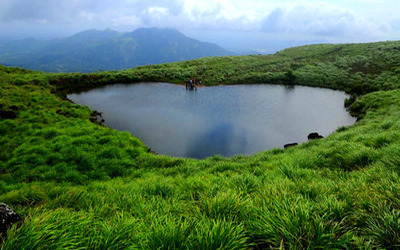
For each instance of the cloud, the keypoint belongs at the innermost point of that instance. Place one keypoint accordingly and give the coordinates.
(273, 21)
(370, 19)
(78, 10)
(26, 10)
(322, 20)
(126, 21)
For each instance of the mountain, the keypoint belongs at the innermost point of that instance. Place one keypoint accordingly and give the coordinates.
(94, 50)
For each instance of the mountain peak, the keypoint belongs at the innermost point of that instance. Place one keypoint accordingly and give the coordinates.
(94, 34)
(93, 49)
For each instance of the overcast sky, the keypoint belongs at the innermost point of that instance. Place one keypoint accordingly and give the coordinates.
(245, 24)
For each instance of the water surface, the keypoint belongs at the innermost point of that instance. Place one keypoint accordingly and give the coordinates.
(225, 120)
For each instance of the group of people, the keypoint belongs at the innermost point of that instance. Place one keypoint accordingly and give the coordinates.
(192, 83)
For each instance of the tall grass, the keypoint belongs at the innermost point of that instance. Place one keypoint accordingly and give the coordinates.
(80, 185)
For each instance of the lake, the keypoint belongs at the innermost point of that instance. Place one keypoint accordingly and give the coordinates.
(224, 120)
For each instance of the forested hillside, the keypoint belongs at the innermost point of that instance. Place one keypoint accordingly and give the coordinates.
(95, 50)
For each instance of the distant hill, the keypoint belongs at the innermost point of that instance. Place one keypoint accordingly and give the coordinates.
(94, 50)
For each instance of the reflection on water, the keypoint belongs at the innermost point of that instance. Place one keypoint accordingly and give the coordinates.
(225, 120)
(219, 138)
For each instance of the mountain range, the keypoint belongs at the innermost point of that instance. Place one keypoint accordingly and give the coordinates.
(94, 50)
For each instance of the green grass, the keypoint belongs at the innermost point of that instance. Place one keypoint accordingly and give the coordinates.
(80, 185)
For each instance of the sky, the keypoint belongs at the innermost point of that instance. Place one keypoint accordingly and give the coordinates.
(259, 25)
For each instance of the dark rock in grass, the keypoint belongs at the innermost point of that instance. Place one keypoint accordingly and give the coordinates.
(7, 114)
(96, 113)
(96, 117)
(314, 135)
(290, 145)
(13, 107)
(1, 106)
(151, 151)
(7, 218)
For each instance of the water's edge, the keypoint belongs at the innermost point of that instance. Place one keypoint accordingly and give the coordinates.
(183, 123)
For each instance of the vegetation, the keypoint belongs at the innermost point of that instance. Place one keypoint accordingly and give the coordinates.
(94, 50)
(78, 184)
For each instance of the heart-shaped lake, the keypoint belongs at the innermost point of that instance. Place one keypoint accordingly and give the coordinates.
(224, 120)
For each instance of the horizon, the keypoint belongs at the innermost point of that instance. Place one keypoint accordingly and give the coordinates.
(259, 25)
(274, 49)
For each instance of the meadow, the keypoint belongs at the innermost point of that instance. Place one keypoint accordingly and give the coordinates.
(78, 184)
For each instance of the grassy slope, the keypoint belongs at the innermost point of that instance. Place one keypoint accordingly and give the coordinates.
(79, 185)
(355, 68)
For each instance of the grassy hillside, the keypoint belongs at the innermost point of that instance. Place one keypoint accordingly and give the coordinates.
(78, 184)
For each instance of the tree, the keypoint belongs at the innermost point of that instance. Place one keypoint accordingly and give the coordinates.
(290, 77)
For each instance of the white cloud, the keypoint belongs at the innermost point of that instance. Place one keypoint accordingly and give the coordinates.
(323, 20)
(331, 19)
(126, 21)
(158, 12)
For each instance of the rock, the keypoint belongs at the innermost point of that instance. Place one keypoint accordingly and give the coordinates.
(97, 113)
(13, 107)
(7, 218)
(1, 106)
(314, 135)
(290, 145)
(96, 117)
(7, 114)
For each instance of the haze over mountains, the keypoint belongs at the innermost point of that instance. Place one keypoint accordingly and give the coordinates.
(94, 50)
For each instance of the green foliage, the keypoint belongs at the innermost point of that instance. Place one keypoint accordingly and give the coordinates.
(385, 229)
(355, 68)
(80, 185)
(290, 77)
(295, 224)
